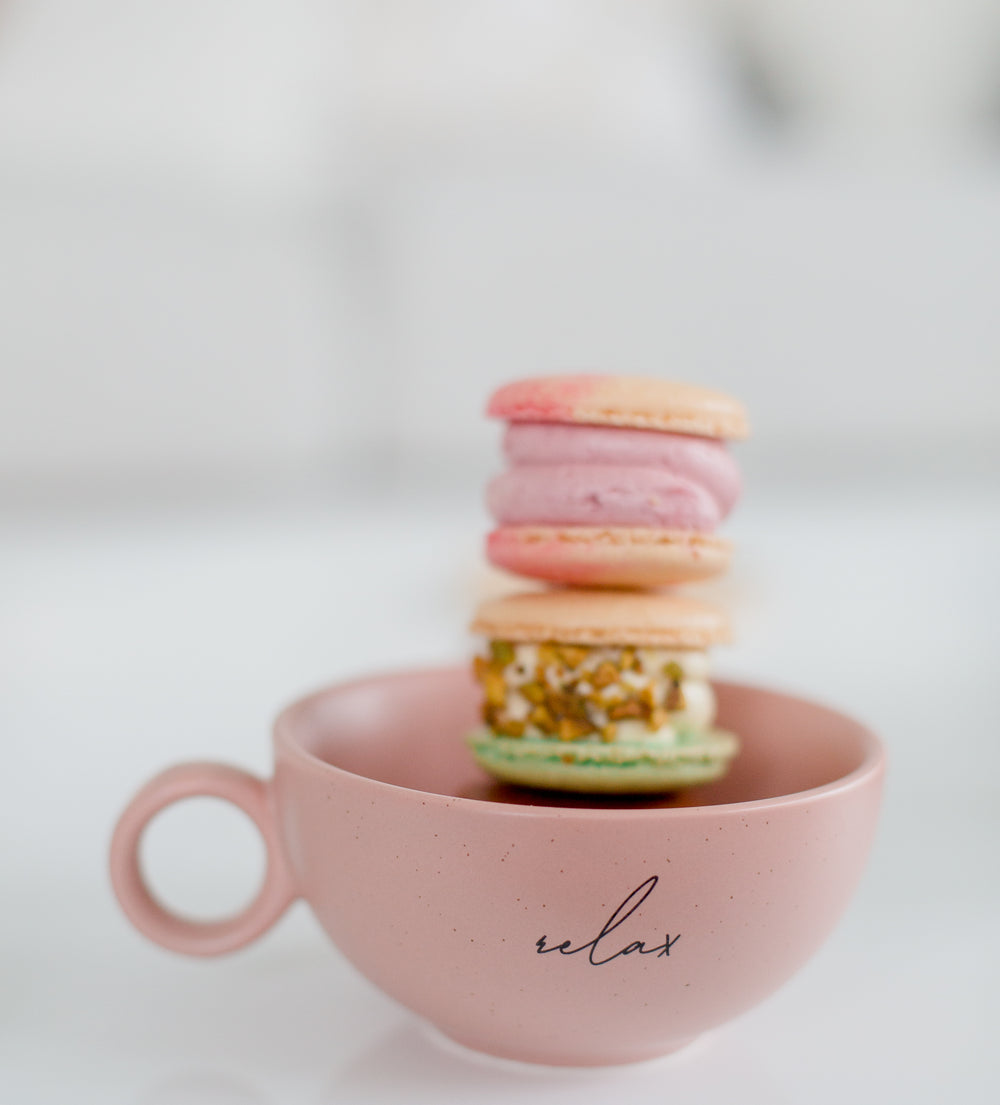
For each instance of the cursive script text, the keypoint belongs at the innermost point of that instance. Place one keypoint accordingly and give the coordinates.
(593, 947)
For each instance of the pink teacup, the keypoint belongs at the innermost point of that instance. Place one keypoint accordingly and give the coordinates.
(532, 926)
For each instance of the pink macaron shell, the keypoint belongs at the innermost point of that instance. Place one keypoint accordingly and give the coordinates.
(703, 460)
(642, 402)
(543, 399)
(600, 495)
(612, 557)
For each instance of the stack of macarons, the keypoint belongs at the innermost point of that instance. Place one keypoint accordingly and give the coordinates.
(613, 491)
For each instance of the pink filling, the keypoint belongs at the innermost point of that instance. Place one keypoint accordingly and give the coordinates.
(609, 476)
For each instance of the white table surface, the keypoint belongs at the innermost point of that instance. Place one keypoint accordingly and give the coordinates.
(131, 640)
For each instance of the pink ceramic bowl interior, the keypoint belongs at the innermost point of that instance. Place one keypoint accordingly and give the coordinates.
(539, 927)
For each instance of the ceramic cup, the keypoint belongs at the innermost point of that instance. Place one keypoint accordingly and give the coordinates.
(568, 931)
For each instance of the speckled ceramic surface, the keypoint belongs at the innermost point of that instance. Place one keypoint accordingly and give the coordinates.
(563, 930)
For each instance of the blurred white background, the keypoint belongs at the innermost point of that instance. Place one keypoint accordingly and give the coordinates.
(247, 244)
(263, 262)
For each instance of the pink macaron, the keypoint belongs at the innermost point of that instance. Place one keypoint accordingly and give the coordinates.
(613, 481)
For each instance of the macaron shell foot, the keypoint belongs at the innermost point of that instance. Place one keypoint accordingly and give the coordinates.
(590, 556)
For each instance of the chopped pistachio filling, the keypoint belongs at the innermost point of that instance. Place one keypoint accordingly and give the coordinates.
(593, 693)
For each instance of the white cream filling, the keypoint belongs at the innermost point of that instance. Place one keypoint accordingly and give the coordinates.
(698, 711)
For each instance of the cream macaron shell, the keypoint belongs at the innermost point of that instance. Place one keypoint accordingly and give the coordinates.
(603, 618)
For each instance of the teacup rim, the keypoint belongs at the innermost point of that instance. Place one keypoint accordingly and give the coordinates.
(872, 765)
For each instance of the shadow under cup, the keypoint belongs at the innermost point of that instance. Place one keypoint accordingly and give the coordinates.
(538, 926)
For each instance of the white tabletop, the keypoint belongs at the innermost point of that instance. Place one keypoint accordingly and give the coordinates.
(129, 641)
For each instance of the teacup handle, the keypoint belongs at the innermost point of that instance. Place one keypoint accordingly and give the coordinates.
(192, 780)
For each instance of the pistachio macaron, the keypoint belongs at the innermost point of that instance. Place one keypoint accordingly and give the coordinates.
(613, 481)
(599, 691)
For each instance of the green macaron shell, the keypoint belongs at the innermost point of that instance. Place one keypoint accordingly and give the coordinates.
(635, 767)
